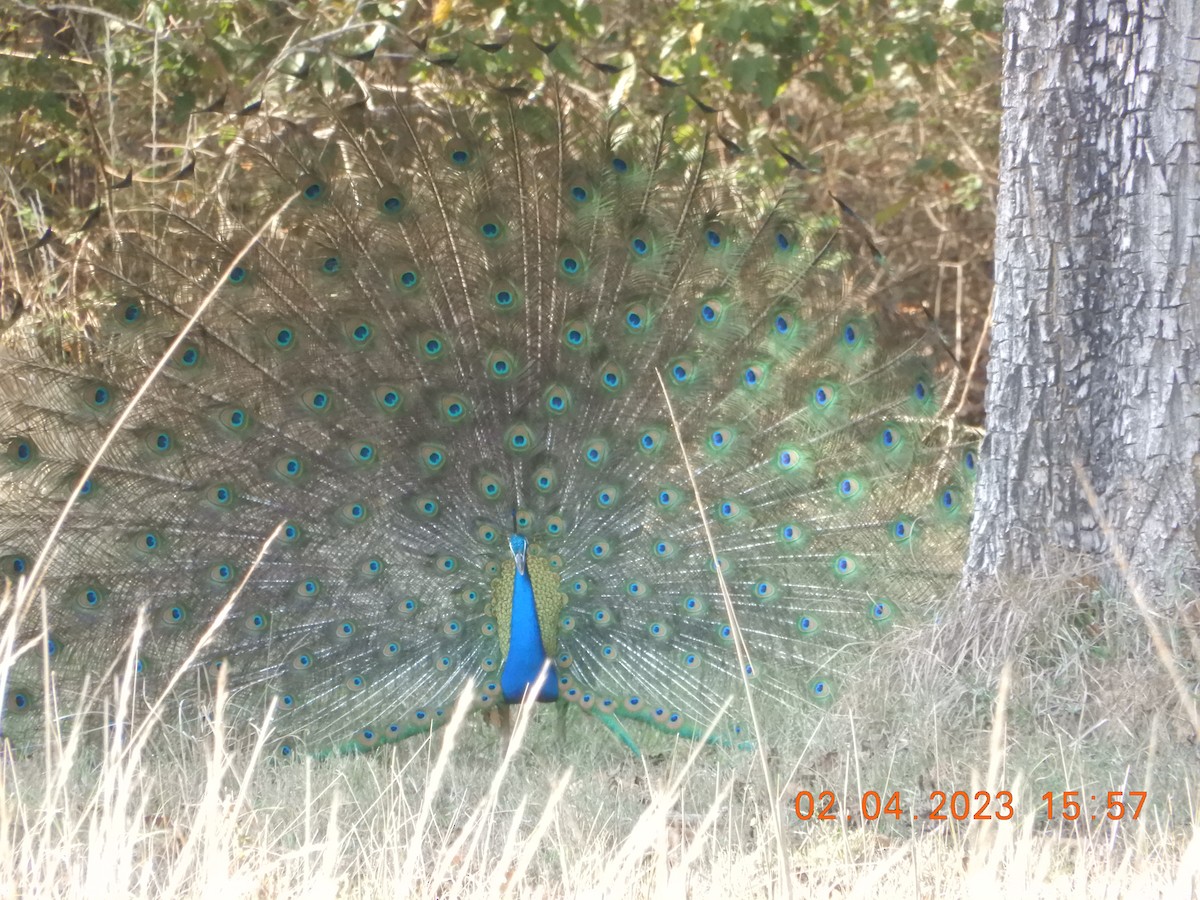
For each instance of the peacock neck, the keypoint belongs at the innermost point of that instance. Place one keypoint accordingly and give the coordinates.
(526, 649)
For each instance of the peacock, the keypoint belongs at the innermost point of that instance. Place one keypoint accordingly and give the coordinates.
(465, 383)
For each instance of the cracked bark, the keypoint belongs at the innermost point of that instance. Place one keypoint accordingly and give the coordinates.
(1095, 327)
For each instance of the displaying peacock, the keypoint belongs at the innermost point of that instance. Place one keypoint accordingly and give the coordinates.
(499, 360)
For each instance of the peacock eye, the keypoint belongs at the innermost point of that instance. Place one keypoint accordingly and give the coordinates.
(484, 363)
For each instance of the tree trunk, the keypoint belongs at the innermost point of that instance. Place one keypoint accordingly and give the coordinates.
(1094, 358)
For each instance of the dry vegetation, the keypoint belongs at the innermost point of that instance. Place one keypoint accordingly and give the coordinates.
(1083, 704)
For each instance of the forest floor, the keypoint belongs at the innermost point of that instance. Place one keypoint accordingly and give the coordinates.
(971, 744)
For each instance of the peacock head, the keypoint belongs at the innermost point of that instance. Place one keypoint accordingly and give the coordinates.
(518, 544)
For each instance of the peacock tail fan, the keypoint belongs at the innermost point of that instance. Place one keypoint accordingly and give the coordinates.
(481, 348)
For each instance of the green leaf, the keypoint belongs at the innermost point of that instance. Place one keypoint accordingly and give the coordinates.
(922, 166)
(922, 49)
(881, 58)
(904, 109)
(47, 105)
(950, 169)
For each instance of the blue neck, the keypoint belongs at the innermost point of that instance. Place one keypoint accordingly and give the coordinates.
(526, 653)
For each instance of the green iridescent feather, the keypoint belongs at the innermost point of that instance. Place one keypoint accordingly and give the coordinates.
(456, 327)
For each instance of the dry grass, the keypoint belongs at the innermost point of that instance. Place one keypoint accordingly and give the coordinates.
(1082, 705)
